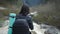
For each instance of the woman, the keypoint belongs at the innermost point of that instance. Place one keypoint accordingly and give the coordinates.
(23, 14)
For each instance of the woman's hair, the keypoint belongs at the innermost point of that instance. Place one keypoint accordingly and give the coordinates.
(24, 9)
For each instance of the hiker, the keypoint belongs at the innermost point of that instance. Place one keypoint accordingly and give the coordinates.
(23, 14)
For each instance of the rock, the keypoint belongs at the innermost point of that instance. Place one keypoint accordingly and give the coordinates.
(44, 26)
(51, 31)
(58, 27)
(5, 23)
(33, 32)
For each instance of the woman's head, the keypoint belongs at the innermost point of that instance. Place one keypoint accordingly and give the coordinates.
(24, 10)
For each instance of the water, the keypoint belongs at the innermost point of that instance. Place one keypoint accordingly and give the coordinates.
(37, 28)
(40, 29)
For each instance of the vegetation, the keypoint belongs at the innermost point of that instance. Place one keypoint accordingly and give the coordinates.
(50, 15)
(11, 5)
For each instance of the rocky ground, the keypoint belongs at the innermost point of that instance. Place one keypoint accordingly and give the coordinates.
(4, 30)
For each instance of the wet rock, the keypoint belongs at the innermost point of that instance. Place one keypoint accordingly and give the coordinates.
(6, 22)
(44, 26)
(51, 31)
(33, 32)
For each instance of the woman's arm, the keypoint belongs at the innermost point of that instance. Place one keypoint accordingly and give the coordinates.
(30, 23)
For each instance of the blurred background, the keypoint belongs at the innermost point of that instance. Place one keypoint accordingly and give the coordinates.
(48, 11)
(8, 6)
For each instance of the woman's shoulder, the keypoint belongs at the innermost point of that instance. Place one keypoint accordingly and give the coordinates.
(28, 16)
(18, 15)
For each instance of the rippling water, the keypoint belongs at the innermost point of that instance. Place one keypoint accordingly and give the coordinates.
(40, 29)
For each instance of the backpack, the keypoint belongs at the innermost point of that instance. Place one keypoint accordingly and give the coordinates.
(20, 26)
